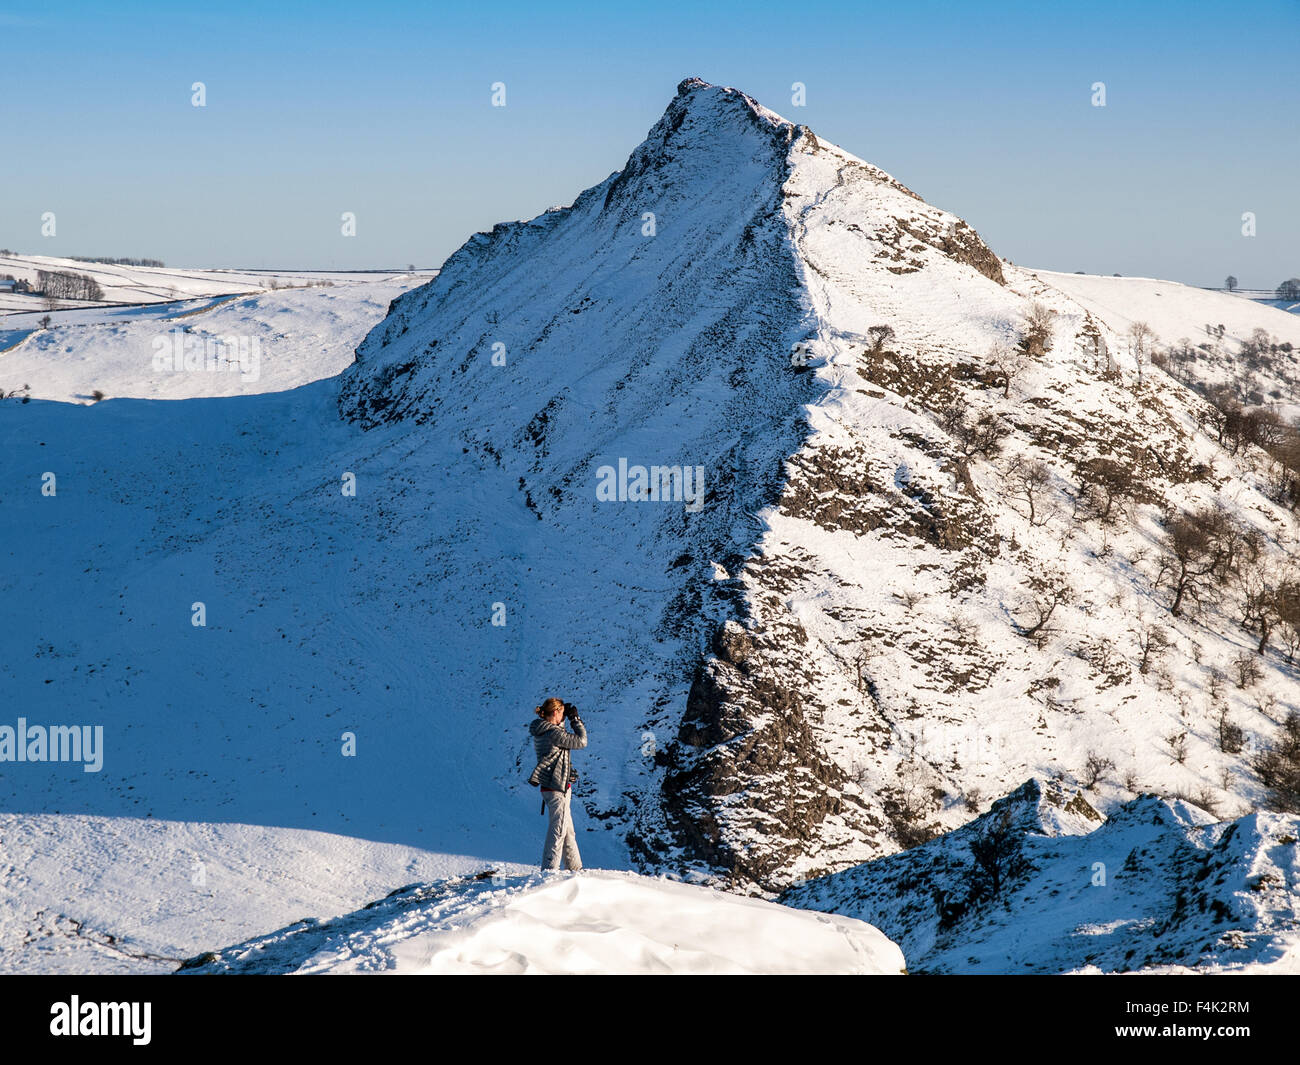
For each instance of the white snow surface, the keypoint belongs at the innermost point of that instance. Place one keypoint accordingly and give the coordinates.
(287, 337)
(85, 894)
(596, 922)
(890, 598)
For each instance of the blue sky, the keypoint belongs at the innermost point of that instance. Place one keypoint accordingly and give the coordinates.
(383, 109)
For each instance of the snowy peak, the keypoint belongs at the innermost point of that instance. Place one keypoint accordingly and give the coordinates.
(1044, 808)
(713, 174)
(704, 117)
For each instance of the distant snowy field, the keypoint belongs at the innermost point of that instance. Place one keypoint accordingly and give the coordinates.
(286, 337)
(154, 284)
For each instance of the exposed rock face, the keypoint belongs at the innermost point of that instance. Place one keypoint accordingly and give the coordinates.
(748, 737)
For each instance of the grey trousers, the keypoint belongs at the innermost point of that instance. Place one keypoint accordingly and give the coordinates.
(559, 832)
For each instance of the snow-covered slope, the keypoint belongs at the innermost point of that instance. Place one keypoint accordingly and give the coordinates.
(1186, 317)
(594, 923)
(836, 653)
(134, 895)
(1159, 885)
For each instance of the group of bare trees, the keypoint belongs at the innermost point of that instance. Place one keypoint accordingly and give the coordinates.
(118, 262)
(1236, 427)
(61, 285)
(1206, 551)
(1236, 414)
(1278, 765)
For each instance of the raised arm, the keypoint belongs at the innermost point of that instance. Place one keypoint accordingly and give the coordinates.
(571, 741)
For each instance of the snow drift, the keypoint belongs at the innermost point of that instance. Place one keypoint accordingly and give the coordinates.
(593, 923)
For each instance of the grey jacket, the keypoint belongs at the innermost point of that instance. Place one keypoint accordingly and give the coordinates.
(553, 744)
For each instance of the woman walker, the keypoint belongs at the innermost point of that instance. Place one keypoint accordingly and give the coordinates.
(555, 776)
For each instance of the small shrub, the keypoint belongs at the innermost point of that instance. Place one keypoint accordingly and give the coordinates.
(1246, 669)
(1096, 767)
(1278, 766)
(1231, 735)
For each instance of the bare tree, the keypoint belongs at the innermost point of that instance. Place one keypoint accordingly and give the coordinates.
(1047, 592)
(1009, 362)
(912, 801)
(1096, 767)
(975, 436)
(997, 854)
(1141, 339)
(1153, 641)
(1271, 600)
(1037, 339)
(1106, 483)
(880, 336)
(1030, 482)
(1246, 666)
(1231, 736)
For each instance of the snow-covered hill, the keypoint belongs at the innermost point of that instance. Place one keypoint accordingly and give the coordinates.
(840, 652)
(1187, 319)
(822, 647)
(1159, 886)
(593, 923)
